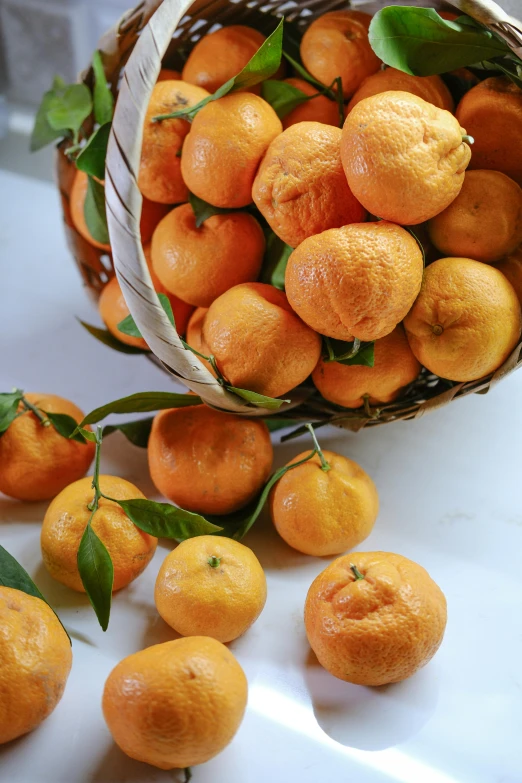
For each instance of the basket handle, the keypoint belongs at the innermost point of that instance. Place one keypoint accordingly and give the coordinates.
(493, 16)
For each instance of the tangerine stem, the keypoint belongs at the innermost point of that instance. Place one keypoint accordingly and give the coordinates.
(214, 561)
(38, 413)
(324, 464)
(93, 505)
(357, 574)
(467, 138)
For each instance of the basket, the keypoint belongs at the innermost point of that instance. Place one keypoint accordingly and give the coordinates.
(132, 54)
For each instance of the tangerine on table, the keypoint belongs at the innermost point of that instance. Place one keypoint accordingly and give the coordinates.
(324, 512)
(394, 367)
(208, 461)
(431, 88)
(484, 222)
(404, 158)
(491, 112)
(300, 187)
(36, 660)
(199, 264)
(151, 213)
(159, 177)
(221, 55)
(258, 341)
(226, 143)
(465, 321)
(210, 586)
(175, 704)
(130, 548)
(336, 44)
(36, 462)
(318, 109)
(356, 281)
(373, 618)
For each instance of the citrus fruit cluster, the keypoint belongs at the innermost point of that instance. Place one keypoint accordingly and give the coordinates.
(404, 224)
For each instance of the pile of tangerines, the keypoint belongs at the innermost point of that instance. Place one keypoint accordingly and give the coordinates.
(343, 200)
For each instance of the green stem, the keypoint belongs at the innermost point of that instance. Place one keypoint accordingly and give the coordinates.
(357, 574)
(45, 422)
(214, 561)
(324, 464)
(210, 359)
(93, 505)
(188, 774)
(339, 99)
(367, 408)
(330, 350)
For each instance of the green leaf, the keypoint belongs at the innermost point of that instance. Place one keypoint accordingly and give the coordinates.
(512, 71)
(13, 575)
(142, 402)
(69, 107)
(166, 521)
(87, 434)
(261, 66)
(203, 211)
(92, 158)
(275, 260)
(103, 99)
(278, 423)
(43, 133)
(97, 574)
(137, 432)
(419, 42)
(105, 337)
(9, 402)
(271, 403)
(65, 425)
(339, 350)
(165, 303)
(283, 97)
(245, 527)
(94, 211)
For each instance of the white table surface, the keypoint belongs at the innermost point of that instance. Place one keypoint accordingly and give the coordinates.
(450, 499)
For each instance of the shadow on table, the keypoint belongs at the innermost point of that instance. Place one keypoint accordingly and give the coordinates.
(371, 718)
(116, 767)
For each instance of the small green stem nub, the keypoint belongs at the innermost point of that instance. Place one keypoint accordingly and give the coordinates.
(324, 464)
(468, 139)
(213, 561)
(44, 421)
(357, 574)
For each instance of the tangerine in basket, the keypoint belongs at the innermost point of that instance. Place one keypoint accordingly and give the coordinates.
(151, 213)
(404, 158)
(300, 188)
(175, 704)
(36, 660)
(336, 44)
(431, 88)
(195, 335)
(130, 548)
(511, 267)
(226, 143)
(210, 586)
(159, 177)
(113, 307)
(465, 321)
(199, 264)
(484, 222)
(168, 75)
(36, 462)
(356, 281)
(208, 461)
(395, 367)
(259, 342)
(221, 55)
(373, 618)
(321, 510)
(491, 112)
(317, 109)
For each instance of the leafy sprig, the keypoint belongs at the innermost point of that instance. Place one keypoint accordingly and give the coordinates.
(15, 403)
(356, 352)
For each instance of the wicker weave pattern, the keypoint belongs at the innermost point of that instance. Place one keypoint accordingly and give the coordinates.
(139, 41)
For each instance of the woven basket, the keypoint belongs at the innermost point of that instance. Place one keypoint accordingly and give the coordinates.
(165, 30)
